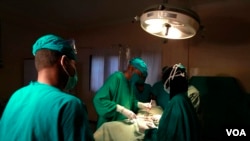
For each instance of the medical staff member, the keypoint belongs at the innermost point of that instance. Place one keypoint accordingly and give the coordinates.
(115, 100)
(179, 121)
(43, 110)
(160, 95)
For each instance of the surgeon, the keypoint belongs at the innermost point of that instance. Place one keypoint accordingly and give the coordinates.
(179, 121)
(160, 95)
(44, 110)
(115, 100)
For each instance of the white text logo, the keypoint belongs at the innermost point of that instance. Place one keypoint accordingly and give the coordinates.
(236, 132)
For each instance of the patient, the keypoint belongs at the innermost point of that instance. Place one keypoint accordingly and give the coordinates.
(129, 130)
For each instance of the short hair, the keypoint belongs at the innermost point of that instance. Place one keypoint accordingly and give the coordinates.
(46, 58)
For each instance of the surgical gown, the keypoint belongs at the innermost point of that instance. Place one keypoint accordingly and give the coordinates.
(145, 95)
(179, 122)
(44, 113)
(115, 90)
(162, 97)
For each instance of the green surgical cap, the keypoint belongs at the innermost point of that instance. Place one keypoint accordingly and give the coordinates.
(53, 42)
(139, 64)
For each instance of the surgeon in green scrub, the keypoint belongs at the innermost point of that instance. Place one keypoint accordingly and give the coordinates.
(44, 110)
(115, 100)
(179, 121)
(160, 95)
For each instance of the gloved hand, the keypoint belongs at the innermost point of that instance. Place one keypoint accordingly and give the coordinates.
(156, 119)
(153, 103)
(144, 124)
(126, 112)
(142, 105)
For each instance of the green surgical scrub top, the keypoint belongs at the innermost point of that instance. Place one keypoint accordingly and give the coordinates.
(145, 95)
(115, 90)
(162, 97)
(44, 113)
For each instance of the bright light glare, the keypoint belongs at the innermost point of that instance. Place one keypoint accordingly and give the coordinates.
(155, 28)
(155, 21)
(173, 32)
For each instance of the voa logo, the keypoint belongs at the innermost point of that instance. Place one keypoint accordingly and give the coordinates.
(236, 132)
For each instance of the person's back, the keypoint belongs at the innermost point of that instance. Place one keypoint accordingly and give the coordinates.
(179, 121)
(43, 110)
(181, 118)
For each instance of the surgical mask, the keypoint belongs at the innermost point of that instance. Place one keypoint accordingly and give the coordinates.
(72, 81)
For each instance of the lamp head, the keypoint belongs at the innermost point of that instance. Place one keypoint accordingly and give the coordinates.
(170, 22)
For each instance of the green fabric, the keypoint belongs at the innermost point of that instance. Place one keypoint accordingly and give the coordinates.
(223, 104)
(115, 90)
(56, 43)
(162, 97)
(179, 122)
(145, 95)
(139, 64)
(42, 112)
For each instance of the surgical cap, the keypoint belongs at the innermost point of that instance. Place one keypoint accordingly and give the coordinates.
(139, 64)
(53, 42)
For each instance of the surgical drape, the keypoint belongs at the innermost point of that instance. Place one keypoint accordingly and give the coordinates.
(179, 122)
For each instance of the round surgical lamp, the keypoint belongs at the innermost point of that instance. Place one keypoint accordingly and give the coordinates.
(170, 22)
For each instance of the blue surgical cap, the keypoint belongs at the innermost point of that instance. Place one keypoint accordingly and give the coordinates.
(53, 42)
(139, 64)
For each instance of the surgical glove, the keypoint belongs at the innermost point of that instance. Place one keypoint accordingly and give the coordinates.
(144, 124)
(153, 103)
(126, 112)
(144, 105)
(156, 119)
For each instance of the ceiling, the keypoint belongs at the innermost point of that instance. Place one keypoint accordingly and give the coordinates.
(80, 14)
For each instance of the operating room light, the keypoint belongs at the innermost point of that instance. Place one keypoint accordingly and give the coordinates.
(171, 22)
